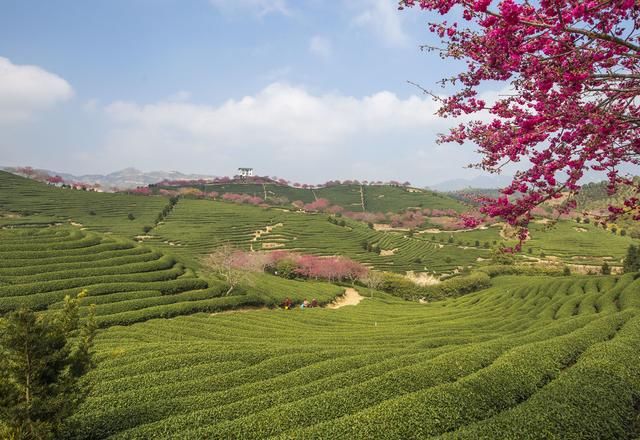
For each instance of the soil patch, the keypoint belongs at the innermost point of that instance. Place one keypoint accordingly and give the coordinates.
(272, 245)
(351, 297)
(422, 278)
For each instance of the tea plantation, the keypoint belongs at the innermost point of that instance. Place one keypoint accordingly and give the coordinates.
(128, 283)
(194, 226)
(376, 198)
(547, 359)
(531, 357)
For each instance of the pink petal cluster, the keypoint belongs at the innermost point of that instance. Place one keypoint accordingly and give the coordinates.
(574, 73)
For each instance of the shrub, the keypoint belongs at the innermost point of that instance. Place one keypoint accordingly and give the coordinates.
(131, 216)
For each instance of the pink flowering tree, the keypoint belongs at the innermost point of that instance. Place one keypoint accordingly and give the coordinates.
(573, 67)
(318, 205)
(55, 179)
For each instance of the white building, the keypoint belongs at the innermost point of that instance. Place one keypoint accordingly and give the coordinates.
(245, 172)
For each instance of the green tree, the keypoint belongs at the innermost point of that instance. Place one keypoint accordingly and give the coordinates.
(606, 270)
(499, 256)
(632, 260)
(286, 268)
(43, 356)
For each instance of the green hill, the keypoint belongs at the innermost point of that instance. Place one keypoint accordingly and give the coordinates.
(26, 201)
(376, 198)
(529, 357)
(127, 282)
(547, 359)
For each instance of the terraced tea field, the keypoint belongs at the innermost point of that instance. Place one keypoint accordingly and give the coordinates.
(128, 283)
(528, 358)
(195, 226)
(549, 358)
(377, 198)
(24, 201)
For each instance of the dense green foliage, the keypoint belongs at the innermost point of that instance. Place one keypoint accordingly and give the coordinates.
(195, 226)
(28, 201)
(377, 198)
(191, 228)
(530, 356)
(512, 361)
(127, 282)
(40, 369)
(632, 259)
(459, 285)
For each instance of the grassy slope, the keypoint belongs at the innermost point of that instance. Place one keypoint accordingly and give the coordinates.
(196, 226)
(529, 358)
(571, 242)
(99, 212)
(127, 282)
(377, 198)
(546, 359)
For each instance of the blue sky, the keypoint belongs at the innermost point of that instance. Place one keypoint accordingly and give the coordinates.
(308, 89)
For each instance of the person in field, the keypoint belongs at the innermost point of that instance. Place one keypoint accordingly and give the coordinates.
(314, 302)
(286, 304)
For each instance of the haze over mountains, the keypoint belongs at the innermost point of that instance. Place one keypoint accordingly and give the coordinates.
(132, 177)
(123, 179)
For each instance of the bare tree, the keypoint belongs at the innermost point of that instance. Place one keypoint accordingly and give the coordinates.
(230, 264)
(373, 280)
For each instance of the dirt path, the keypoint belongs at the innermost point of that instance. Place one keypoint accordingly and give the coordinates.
(362, 198)
(267, 230)
(351, 297)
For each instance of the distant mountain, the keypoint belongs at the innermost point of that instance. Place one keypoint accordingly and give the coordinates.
(123, 179)
(485, 181)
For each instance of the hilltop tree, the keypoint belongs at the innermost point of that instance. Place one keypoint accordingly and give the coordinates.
(43, 357)
(573, 70)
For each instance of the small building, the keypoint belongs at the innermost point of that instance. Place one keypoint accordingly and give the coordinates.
(245, 172)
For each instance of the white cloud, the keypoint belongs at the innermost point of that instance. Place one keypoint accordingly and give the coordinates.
(280, 117)
(291, 131)
(320, 46)
(256, 7)
(382, 18)
(282, 129)
(25, 90)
